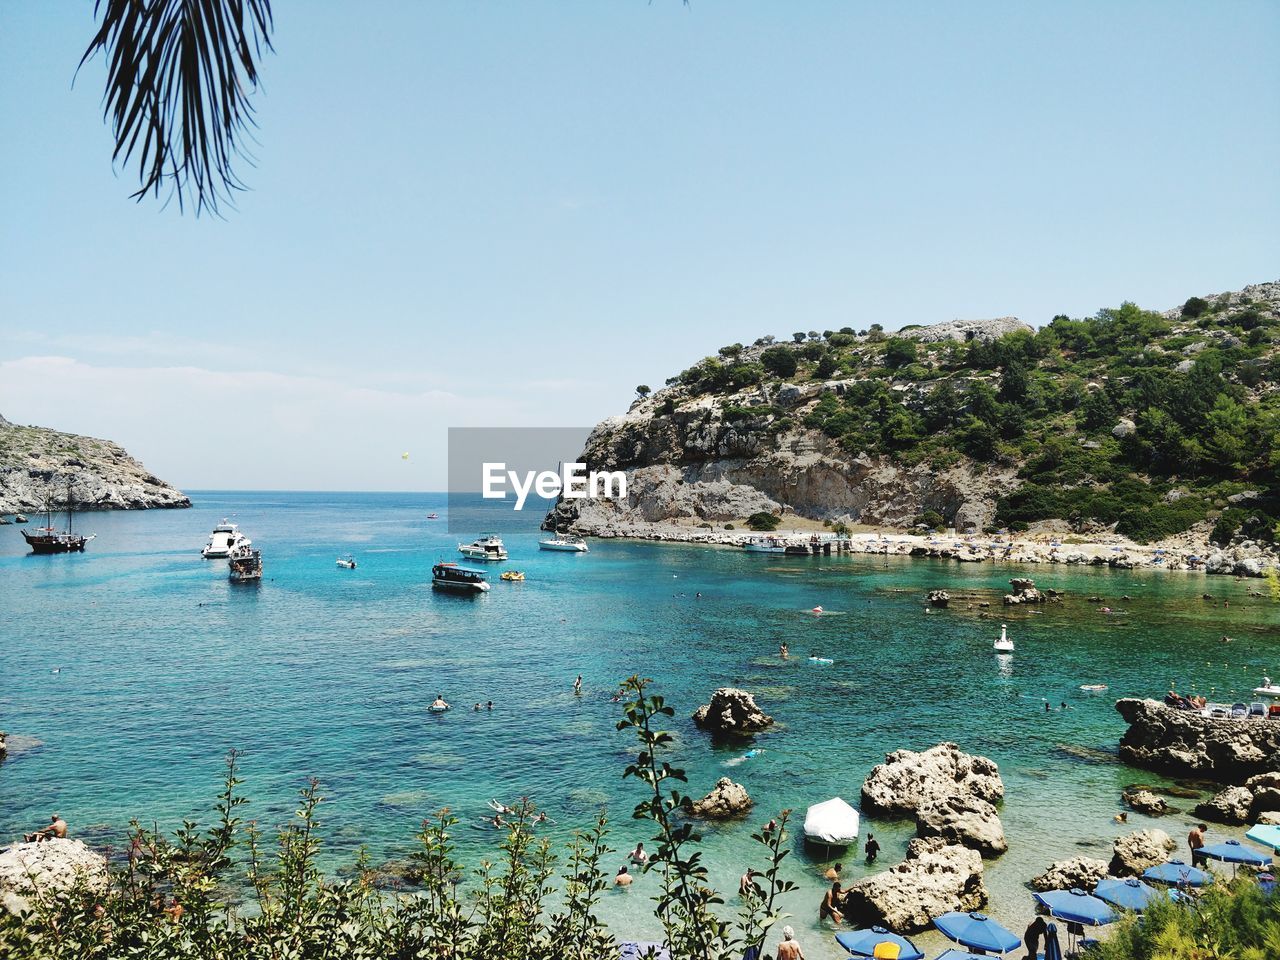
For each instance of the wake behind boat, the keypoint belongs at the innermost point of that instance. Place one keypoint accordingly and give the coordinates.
(487, 546)
(565, 543)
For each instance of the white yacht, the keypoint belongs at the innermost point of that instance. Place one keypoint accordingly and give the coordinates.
(1004, 644)
(1269, 688)
(564, 542)
(765, 545)
(225, 538)
(487, 546)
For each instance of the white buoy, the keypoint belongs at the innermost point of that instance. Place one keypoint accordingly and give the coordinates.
(1004, 644)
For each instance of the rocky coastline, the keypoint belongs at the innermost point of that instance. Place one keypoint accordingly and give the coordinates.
(36, 464)
(1184, 743)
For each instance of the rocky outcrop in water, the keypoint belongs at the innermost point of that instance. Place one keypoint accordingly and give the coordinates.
(1078, 873)
(939, 598)
(31, 871)
(1024, 591)
(1144, 801)
(1247, 803)
(725, 801)
(1184, 743)
(967, 820)
(936, 877)
(36, 462)
(1134, 852)
(732, 711)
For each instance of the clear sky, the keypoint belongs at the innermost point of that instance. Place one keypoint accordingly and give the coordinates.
(494, 214)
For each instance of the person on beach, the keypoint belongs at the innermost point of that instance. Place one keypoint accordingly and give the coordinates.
(623, 879)
(789, 949)
(57, 828)
(833, 873)
(1036, 930)
(638, 855)
(872, 848)
(1195, 840)
(830, 906)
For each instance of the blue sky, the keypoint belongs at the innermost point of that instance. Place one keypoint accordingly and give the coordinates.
(493, 214)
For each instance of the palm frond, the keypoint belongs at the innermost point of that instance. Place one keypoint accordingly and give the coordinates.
(180, 74)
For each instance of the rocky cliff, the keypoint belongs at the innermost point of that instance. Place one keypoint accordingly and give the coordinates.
(1145, 425)
(1183, 743)
(36, 462)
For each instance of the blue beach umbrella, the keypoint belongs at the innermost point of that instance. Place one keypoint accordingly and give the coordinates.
(1233, 851)
(1266, 834)
(1076, 906)
(1175, 871)
(863, 943)
(977, 931)
(1052, 948)
(1130, 894)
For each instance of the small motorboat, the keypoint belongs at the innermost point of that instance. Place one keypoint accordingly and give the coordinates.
(1093, 687)
(5, 521)
(19, 518)
(433, 516)
(348, 562)
(565, 543)
(512, 576)
(487, 546)
(1004, 644)
(1269, 688)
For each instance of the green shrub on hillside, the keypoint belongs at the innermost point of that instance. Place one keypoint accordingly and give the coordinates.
(763, 521)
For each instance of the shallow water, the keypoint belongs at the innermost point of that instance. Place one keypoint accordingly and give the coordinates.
(163, 667)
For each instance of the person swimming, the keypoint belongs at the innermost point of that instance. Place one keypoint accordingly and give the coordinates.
(439, 703)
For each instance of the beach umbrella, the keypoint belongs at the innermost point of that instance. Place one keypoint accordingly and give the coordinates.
(1052, 948)
(1266, 834)
(863, 943)
(1076, 906)
(977, 931)
(1235, 853)
(1128, 894)
(1175, 871)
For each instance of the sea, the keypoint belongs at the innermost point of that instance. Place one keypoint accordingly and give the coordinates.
(129, 673)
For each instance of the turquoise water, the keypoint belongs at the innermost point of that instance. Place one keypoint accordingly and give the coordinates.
(163, 667)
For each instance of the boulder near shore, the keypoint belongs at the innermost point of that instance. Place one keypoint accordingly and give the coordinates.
(725, 801)
(935, 878)
(732, 711)
(30, 871)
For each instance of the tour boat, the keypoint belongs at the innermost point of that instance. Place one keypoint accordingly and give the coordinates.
(1269, 688)
(244, 564)
(48, 540)
(450, 576)
(765, 545)
(1004, 644)
(348, 562)
(487, 546)
(564, 542)
(225, 538)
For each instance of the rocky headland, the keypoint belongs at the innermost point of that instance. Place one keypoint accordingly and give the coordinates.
(941, 427)
(1184, 743)
(36, 464)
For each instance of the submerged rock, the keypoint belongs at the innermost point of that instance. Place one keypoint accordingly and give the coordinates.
(939, 598)
(731, 711)
(1134, 852)
(1184, 743)
(935, 878)
(726, 799)
(1082, 873)
(32, 871)
(967, 820)
(907, 780)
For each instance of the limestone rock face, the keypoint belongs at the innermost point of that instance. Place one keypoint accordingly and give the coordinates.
(1078, 873)
(1265, 788)
(1144, 801)
(935, 878)
(1134, 852)
(1184, 743)
(726, 799)
(967, 820)
(908, 779)
(731, 711)
(29, 871)
(1231, 805)
(984, 331)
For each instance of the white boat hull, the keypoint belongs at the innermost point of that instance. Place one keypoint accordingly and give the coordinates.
(478, 587)
(562, 547)
(1272, 691)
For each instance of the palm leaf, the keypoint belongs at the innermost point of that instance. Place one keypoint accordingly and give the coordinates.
(180, 74)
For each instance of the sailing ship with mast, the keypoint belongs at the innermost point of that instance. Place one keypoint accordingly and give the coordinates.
(47, 539)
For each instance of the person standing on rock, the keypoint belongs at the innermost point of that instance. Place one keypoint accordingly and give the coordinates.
(789, 948)
(1195, 840)
(872, 848)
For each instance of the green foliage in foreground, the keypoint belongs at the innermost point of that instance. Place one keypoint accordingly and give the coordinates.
(528, 904)
(1235, 921)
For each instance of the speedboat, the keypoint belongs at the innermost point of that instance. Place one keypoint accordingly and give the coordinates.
(348, 562)
(1269, 688)
(433, 515)
(1004, 644)
(450, 576)
(244, 564)
(487, 546)
(765, 545)
(564, 542)
(225, 538)
(19, 518)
